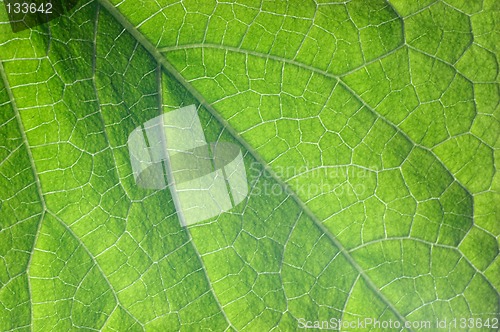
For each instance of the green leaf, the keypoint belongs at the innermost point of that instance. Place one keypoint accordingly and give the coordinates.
(370, 136)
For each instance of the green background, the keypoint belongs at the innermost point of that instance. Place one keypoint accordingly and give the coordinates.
(393, 105)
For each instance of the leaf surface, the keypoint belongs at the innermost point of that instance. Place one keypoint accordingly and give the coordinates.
(369, 132)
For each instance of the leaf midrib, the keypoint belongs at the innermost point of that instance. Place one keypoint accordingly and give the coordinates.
(158, 56)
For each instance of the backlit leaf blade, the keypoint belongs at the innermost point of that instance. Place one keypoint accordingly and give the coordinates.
(366, 200)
